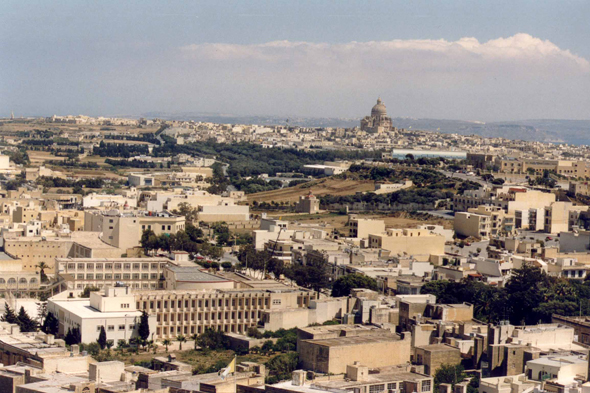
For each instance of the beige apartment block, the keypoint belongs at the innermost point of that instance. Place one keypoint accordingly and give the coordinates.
(484, 222)
(561, 216)
(419, 243)
(124, 230)
(334, 354)
(361, 227)
(232, 311)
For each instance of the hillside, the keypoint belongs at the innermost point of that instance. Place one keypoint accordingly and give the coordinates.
(327, 186)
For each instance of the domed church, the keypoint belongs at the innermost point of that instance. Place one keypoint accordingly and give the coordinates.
(378, 121)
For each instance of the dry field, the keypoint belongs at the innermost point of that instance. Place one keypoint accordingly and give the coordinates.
(336, 221)
(327, 186)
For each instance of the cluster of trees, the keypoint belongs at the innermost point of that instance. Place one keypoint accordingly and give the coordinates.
(454, 374)
(145, 137)
(404, 197)
(119, 150)
(313, 275)
(248, 159)
(251, 186)
(73, 163)
(529, 297)
(19, 157)
(135, 164)
(343, 285)
(50, 182)
(545, 181)
(190, 240)
(22, 319)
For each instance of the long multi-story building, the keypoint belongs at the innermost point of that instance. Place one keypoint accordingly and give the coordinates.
(230, 311)
(137, 273)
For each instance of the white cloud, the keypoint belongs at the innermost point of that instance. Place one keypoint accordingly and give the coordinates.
(467, 53)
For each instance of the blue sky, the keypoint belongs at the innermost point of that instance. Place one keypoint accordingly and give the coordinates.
(471, 60)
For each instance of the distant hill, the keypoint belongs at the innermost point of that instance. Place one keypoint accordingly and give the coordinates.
(558, 131)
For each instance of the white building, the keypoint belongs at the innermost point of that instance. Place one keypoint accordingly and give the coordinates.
(115, 309)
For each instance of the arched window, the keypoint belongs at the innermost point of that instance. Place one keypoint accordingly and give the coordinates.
(2, 281)
(12, 282)
(33, 281)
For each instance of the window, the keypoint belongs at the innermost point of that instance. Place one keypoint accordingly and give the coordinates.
(276, 301)
(99, 276)
(117, 266)
(80, 277)
(99, 266)
(111, 328)
(392, 386)
(145, 266)
(117, 276)
(136, 276)
(163, 227)
(90, 276)
(136, 266)
(98, 328)
(108, 266)
(124, 305)
(80, 266)
(376, 388)
(145, 276)
(121, 327)
(426, 386)
(154, 276)
(108, 276)
(71, 266)
(127, 266)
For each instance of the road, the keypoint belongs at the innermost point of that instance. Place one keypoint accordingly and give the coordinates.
(464, 176)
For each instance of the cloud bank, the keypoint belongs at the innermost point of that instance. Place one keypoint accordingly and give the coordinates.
(520, 49)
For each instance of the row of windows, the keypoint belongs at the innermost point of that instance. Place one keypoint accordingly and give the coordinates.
(111, 328)
(175, 330)
(116, 266)
(207, 316)
(117, 276)
(134, 285)
(204, 303)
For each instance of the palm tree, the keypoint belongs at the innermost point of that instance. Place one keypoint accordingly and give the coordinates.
(166, 342)
(42, 266)
(194, 337)
(181, 339)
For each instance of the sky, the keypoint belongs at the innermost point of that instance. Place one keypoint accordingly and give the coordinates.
(469, 60)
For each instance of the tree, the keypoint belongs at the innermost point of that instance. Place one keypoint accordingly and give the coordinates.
(166, 342)
(194, 337)
(344, 285)
(213, 339)
(449, 373)
(143, 329)
(181, 339)
(42, 266)
(50, 324)
(25, 322)
(281, 367)
(86, 292)
(73, 336)
(102, 338)
(149, 240)
(9, 315)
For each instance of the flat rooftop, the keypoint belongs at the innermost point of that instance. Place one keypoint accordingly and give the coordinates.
(82, 309)
(356, 340)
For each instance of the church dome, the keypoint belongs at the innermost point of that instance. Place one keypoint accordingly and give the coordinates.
(379, 109)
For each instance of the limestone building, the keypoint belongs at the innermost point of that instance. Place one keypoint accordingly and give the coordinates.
(229, 310)
(378, 121)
